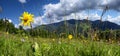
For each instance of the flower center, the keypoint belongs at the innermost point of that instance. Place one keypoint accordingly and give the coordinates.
(25, 19)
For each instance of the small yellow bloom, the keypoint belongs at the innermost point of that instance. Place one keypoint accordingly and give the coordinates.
(26, 19)
(95, 35)
(26, 37)
(7, 32)
(70, 36)
(112, 41)
(53, 39)
(85, 41)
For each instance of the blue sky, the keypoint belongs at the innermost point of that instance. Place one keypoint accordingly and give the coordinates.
(12, 9)
(56, 10)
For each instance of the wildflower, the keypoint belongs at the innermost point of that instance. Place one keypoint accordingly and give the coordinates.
(36, 46)
(36, 49)
(85, 41)
(26, 37)
(53, 39)
(22, 40)
(26, 19)
(106, 40)
(95, 37)
(109, 39)
(59, 42)
(7, 33)
(98, 39)
(112, 41)
(70, 36)
(2, 54)
(109, 52)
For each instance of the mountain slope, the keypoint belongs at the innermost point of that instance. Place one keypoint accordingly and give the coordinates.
(81, 25)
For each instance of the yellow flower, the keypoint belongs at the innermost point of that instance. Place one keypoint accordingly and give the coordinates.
(7, 32)
(85, 41)
(53, 39)
(70, 37)
(26, 19)
(26, 37)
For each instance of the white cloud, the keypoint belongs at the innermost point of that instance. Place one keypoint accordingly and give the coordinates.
(68, 8)
(114, 19)
(24, 27)
(16, 25)
(22, 1)
(10, 20)
(40, 20)
(78, 16)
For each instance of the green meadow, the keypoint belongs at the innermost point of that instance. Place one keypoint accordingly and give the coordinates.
(17, 45)
(59, 28)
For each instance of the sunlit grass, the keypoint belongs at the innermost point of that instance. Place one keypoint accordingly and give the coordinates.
(12, 45)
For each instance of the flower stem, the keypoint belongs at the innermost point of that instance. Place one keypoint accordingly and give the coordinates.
(31, 32)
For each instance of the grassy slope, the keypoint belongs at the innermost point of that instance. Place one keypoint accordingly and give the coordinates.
(17, 45)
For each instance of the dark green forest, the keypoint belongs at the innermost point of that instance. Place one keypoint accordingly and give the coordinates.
(84, 30)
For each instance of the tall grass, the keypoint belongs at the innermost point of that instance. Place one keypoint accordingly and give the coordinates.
(15, 46)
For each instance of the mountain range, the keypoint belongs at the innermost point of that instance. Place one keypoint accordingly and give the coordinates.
(80, 25)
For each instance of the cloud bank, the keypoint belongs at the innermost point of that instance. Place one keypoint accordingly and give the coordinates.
(9, 20)
(22, 1)
(67, 9)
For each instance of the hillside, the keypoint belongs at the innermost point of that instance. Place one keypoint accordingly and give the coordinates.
(81, 25)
